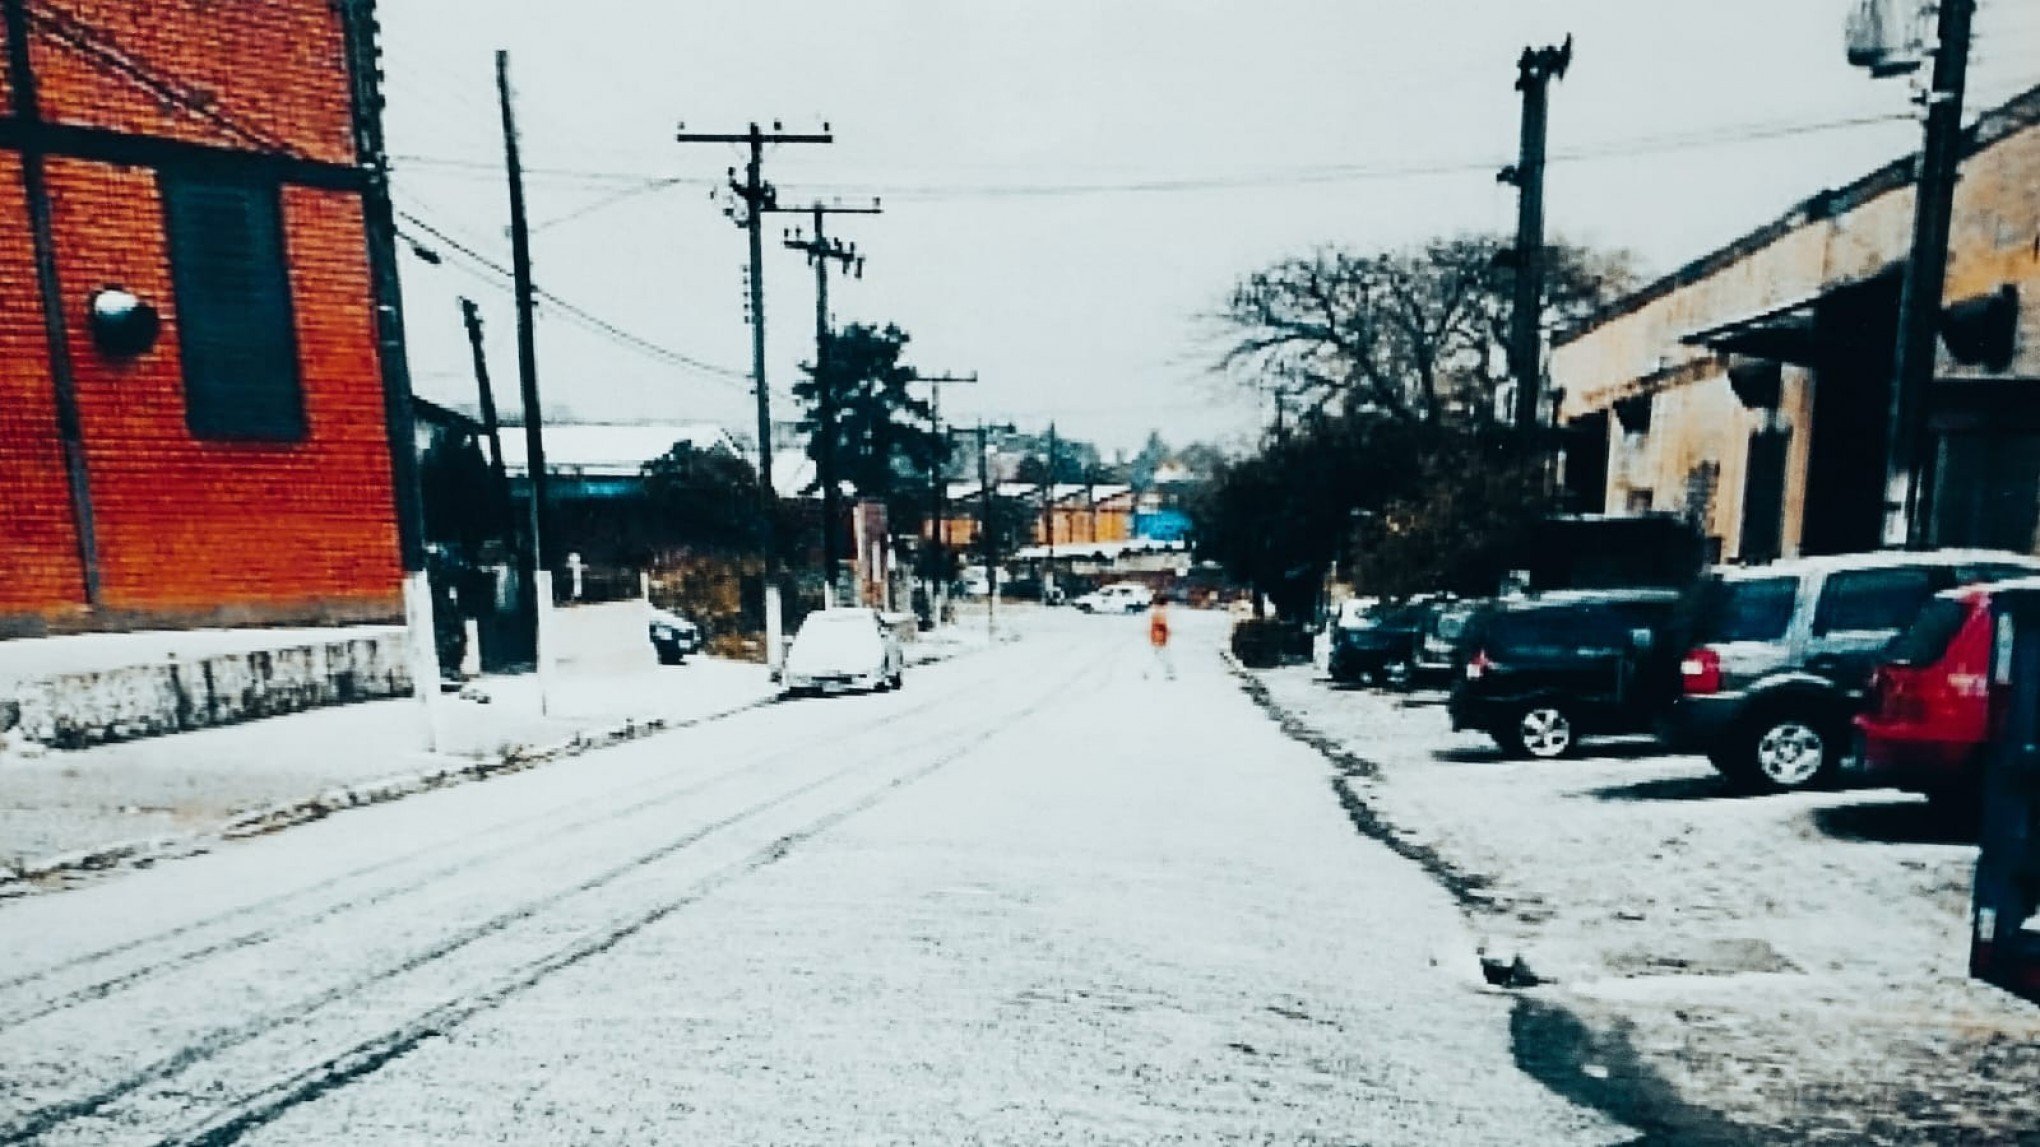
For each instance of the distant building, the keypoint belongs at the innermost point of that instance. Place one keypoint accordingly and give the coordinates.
(594, 461)
(193, 423)
(1749, 390)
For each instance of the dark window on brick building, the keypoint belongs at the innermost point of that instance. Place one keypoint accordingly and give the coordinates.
(234, 321)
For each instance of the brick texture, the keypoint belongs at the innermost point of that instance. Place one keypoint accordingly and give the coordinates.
(39, 567)
(264, 75)
(192, 530)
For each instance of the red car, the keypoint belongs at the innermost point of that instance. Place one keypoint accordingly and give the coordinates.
(1930, 700)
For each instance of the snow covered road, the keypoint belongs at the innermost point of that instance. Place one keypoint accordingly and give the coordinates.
(1039, 896)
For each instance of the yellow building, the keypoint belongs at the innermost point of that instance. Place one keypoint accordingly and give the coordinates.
(1750, 389)
(1074, 513)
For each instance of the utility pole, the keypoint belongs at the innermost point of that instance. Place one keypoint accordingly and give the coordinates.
(364, 60)
(1909, 456)
(1534, 73)
(820, 249)
(987, 542)
(527, 335)
(758, 197)
(471, 315)
(938, 490)
(527, 385)
(1048, 518)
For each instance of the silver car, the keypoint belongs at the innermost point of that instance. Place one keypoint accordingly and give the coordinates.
(1780, 655)
(841, 650)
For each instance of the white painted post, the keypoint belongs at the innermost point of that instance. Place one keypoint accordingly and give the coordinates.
(772, 626)
(423, 652)
(547, 654)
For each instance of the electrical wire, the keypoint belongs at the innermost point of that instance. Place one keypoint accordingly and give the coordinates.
(579, 315)
(1735, 135)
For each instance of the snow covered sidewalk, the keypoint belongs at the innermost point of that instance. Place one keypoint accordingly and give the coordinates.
(137, 799)
(1795, 963)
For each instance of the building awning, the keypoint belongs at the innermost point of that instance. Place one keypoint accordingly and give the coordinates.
(1782, 335)
(1791, 333)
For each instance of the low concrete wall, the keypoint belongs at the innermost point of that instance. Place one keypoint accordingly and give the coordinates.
(86, 707)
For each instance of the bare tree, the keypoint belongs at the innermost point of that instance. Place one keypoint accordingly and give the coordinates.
(1419, 335)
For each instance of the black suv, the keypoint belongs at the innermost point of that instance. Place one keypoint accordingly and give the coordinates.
(1542, 672)
(1380, 646)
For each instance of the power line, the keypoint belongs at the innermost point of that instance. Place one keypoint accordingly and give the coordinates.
(583, 317)
(1732, 135)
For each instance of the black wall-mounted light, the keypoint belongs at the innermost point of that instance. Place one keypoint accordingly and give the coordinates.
(122, 324)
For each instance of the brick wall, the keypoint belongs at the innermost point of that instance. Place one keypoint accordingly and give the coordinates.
(256, 74)
(191, 530)
(39, 568)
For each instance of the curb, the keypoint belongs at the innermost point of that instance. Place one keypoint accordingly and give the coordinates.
(1550, 1039)
(30, 878)
(26, 879)
(1468, 888)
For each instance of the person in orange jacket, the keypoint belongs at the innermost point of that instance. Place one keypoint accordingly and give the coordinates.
(1158, 635)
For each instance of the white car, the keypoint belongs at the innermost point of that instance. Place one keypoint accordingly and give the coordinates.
(838, 650)
(1119, 597)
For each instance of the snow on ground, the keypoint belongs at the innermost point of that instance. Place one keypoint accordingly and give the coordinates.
(62, 802)
(1794, 962)
(1041, 896)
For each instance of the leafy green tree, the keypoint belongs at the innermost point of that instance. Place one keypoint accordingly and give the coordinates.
(703, 499)
(884, 440)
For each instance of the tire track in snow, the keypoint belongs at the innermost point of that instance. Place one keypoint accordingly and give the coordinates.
(366, 1056)
(100, 989)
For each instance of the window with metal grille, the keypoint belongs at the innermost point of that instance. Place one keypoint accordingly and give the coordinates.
(234, 319)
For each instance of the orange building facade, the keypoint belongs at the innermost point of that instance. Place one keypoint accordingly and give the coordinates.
(194, 421)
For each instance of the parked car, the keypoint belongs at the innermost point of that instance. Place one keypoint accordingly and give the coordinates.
(1930, 703)
(1378, 647)
(1780, 655)
(1441, 648)
(1119, 597)
(1545, 671)
(673, 636)
(838, 650)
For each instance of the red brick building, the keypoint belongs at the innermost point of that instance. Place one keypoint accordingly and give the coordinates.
(199, 157)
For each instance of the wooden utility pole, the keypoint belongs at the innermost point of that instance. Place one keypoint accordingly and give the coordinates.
(1534, 72)
(987, 542)
(1909, 455)
(527, 336)
(938, 487)
(820, 250)
(471, 315)
(379, 225)
(758, 197)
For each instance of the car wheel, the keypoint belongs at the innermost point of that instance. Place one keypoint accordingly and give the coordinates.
(667, 654)
(899, 679)
(1398, 675)
(1785, 751)
(1543, 731)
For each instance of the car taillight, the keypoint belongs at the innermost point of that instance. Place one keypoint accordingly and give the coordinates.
(1700, 672)
(1478, 667)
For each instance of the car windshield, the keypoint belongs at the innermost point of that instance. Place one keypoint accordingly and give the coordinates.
(1926, 640)
(1755, 609)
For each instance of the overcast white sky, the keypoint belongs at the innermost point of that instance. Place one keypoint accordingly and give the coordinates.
(1070, 184)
